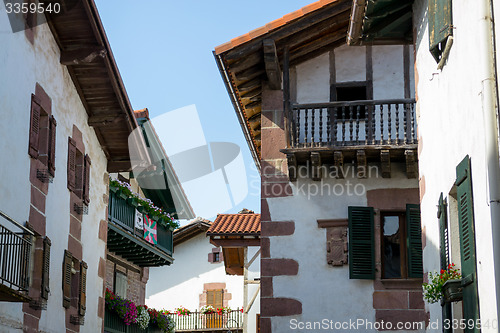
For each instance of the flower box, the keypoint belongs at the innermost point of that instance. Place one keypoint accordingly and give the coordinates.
(452, 291)
(133, 201)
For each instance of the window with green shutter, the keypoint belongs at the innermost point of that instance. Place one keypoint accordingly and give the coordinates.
(470, 301)
(414, 241)
(444, 256)
(361, 243)
(440, 26)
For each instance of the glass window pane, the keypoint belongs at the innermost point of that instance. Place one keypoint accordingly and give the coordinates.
(392, 248)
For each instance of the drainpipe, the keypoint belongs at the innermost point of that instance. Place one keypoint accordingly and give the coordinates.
(489, 93)
(245, 289)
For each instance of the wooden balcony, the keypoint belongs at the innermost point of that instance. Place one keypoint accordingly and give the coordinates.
(362, 132)
(208, 323)
(15, 261)
(128, 241)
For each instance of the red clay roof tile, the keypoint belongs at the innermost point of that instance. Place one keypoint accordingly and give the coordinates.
(235, 224)
(271, 26)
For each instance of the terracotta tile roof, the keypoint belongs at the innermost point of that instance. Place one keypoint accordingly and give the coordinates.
(271, 26)
(235, 224)
(144, 113)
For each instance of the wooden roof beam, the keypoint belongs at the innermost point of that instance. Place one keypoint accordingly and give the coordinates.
(273, 70)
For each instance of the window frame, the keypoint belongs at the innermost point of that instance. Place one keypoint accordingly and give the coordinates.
(403, 243)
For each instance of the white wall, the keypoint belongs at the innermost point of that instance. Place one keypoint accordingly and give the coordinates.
(23, 65)
(181, 284)
(451, 124)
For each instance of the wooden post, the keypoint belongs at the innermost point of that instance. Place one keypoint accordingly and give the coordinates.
(286, 96)
(245, 289)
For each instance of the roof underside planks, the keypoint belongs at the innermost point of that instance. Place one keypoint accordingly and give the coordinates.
(87, 54)
(245, 63)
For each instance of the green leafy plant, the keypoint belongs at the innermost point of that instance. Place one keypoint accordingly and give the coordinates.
(182, 311)
(433, 291)
(151, 210)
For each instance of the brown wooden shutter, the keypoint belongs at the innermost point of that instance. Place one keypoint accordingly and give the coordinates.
(52, 146)
(86, 180)
(210, 297)
(83, 289)
(218, 298)
(210, 257)
(46, 268)
(34, 126)
(68, 259)
(71, 164)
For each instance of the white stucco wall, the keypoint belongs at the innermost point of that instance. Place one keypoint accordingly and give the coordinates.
(451, 125)
(181, 284)
(23, 65)
(326, 292)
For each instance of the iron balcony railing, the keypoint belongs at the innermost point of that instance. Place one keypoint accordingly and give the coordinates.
(356, 123)
(197, 321)
(15, 256)
(122, 213)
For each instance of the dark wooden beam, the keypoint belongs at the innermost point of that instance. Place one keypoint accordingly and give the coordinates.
(82, 56)
(244, 242)
(249, 85)
(308, 48)
(316, 168)
(294, 60)
(338, 162)
(411, 164)
(249, 74)
(273, 70)
(292, 167)
(361, 163)
(388, 24)
(245, 63)
(385, 163)
(98, 121)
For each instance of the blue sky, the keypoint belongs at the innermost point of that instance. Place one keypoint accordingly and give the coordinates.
(163, 49)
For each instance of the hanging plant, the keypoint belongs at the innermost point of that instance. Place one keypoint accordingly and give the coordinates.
(144, 205)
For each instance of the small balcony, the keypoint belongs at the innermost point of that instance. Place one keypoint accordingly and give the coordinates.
(126, 240)
(214, 322)
(114, 324)
(362, 132)
(15, 261)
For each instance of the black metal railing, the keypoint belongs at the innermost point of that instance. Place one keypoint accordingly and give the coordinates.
(356, 123)
(122, 213)
(15, 256)
(200, 321)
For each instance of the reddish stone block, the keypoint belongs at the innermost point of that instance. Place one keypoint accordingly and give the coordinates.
(390, 299)
(266, 286)
(392, 198)
(275, 267)
(276, 190)
(273, 139)
(276, 178)
(421, 185)
(265, 244)
(38, 199)
(100, 308)
(282, 228)
(34, 166)
(45, 100)
(37, 221)
(265, 215)
(265, 325)
(267, 119)
(75, 247)
(103, 230)
(75, 227)
(215, 285)
(276, 307)
(412, 318)
(424, 237)
(101, 270)
(30, 324)
(271, 99)
(416, 300)
(268, 167)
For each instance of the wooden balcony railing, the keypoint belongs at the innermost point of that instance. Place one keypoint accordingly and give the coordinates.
(122, 213)
(15, 257)
(357, 123)
(197, 321)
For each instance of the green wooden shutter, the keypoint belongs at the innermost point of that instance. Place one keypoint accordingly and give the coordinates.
(440, 25)
(467, 241)
(414, 241)
(444, 256)
(361, 243)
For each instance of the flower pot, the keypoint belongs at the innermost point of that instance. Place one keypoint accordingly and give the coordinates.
(122, 195)
(142, 209)
(452, 291)
(114, 189)
(133, 201)
(155, 218)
